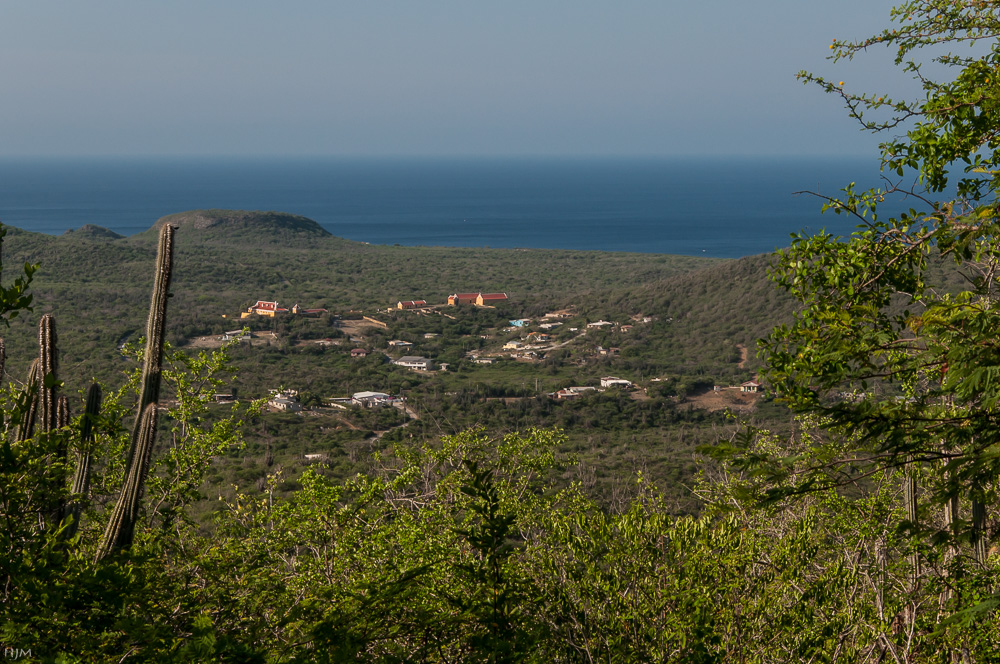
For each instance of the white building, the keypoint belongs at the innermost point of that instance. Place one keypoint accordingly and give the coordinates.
(611, 381)
(415, 362)
(370, 399)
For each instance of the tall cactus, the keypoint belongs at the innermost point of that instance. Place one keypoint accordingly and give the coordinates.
(121, 527)
(47, 396)
(81, 478)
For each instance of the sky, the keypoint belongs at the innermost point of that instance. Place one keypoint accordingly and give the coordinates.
(434, 77)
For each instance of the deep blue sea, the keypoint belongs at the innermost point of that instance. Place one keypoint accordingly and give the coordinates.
(722, 207)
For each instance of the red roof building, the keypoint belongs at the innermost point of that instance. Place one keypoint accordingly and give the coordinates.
(264, 308)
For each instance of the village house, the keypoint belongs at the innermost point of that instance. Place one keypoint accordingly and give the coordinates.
(574, 392)
(512, 345)
(287, 401)
(239, 335)
(263, 308)
(462, 298)
(359, 352)
(751, 386)
(271, 309)
(482, 299)
(600, 323)
(411, 304)
(486, 299)
(399, 343)
(520, 322)
(299, 311)
(608, 351)
(415, 362)
(611, 381)
(370, 399)
(484, 360)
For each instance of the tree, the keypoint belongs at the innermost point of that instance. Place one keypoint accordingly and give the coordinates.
(895, 350)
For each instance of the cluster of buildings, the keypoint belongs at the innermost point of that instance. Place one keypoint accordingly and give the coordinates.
(271, 309)
(606, 383)
(480, 299)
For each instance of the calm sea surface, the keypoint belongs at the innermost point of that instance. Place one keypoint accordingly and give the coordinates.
(722, 207)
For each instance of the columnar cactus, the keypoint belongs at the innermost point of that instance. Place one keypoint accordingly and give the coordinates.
(81, 478)
(48, 399)
(121, 527)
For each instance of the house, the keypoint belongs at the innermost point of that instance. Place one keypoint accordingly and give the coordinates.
(431, 335)
(611, 381)
(297, 310)
(443, 366)
(264, 308)
(287, 402)
(359, 352)
(484, 360)
(411, 304)
(462, 298)
(239, 335)
(750, 386)
(399, 343)
(600, 323)
(549, 326)
(370, 399)
(574, 392)
(512, 345)
(415, 362)
(520, 322)
(486, 299)
(608, 351)
(626, 328)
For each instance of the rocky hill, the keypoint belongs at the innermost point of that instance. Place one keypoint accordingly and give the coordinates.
(244, 224)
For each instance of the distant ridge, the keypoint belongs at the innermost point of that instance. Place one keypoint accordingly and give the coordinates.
(235, 223)
(93, 232)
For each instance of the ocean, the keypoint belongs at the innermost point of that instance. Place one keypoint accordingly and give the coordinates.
(720, 207)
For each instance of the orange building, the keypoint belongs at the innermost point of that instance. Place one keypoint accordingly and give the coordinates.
(263, 308)
(411, 304)
(490, 298)
(462, 298)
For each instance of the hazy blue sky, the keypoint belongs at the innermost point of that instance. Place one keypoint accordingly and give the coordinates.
(447, 77)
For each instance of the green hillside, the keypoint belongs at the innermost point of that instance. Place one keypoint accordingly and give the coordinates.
(680, 326)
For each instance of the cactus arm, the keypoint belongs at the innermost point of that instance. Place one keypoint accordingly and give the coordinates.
(121, 526)
(26, 428)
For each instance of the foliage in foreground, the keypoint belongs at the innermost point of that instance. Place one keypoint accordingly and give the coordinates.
(458, 553)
